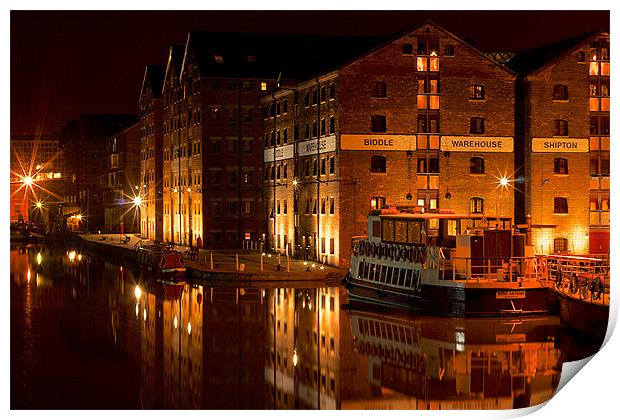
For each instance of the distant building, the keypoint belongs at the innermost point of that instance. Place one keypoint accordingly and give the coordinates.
(37, 159)
(120, 182)
(83, 144)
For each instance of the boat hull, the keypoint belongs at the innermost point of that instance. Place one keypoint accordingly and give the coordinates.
(454, 301)
(588, 318)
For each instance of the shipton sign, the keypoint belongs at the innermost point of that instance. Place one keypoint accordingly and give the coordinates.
(564, 145)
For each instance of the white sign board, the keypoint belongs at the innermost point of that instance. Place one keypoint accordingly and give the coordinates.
(477, 144)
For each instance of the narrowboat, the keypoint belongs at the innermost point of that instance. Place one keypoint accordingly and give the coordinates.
(446, 263)
(582, 286)
(161, 260)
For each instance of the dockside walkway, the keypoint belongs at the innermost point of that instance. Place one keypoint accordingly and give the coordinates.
(242, 265)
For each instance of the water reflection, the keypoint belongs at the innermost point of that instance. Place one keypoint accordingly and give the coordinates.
(87, 333)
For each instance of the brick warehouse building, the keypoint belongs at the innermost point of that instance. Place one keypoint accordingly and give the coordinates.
(212, 127)
(422, 120)
(151, 153)
(563, 111)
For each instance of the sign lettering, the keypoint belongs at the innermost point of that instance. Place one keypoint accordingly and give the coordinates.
(477, 144)
(510, 294)
(551, 145)
(376, 141)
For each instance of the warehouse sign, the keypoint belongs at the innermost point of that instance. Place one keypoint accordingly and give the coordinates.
(327, 144)
(563, 145)
(477, 144)
(376, 141)
(281, 153)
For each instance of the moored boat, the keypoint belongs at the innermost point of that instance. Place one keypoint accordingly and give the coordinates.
(446, 263)
(582, 286)
(161, 260)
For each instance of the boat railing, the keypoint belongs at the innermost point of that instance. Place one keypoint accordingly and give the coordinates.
(490, 270)
(582, 278)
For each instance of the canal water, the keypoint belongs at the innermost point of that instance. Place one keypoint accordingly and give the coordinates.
(92, 334)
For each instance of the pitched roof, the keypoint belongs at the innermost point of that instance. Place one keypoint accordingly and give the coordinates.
(174, 61)
(534, 59)
(153, 77)
(268, 55)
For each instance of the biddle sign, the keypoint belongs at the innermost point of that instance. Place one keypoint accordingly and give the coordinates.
(377, 141)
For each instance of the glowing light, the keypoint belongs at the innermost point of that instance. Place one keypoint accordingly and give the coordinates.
(27, 180)
(137, 291)
(503, 181)
(71, 256)
(144, 314)
(268, 255)
(39, 258)
(189, 328)
(303, 304)
(295, 183)
(79, 217)
(295, 358)
(137, 201)
(313, 265)
(175, 190)
(189, 189)
(175, 322)
(39, 204)
(305, 262)
(79, 257)
(322, 268)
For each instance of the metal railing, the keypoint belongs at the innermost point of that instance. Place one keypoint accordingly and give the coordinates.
(490, 270)
(582, 278)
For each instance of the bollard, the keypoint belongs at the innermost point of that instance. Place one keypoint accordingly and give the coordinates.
(211, 260)
(212, 295)
(236, 262)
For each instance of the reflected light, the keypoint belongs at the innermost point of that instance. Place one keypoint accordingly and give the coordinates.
(137, 310)
(175, 322)
(144, 314)
(71, 256)
(137, 291)
(295, 357)
(79, 257)
(28, 275)
(39, 258)
(189, 328)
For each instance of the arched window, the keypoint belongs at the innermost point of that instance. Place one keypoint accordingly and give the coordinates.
(476, 205)
(560, 166)
(476, 165)
(377, 164)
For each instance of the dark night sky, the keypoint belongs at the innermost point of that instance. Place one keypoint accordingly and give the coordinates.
(64, 63)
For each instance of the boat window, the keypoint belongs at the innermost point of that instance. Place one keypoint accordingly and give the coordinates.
(388, 275)
(382, 273)
(366, 266)
(376, 228)
(408, 278)
(414, 232)
(433, 223)
(401, 278)
(360, 269)
(400, 231)
(396, 273)
(388, 230)
(452, 227)
(372, 271)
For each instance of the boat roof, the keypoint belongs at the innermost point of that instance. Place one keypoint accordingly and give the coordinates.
(406, 215)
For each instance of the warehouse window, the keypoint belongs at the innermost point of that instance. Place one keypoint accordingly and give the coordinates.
(476, 92)
(476, 205)
(560, 166)
(379, 90)
(377, 203)
(378, 164)
(561, 128)
(560, 92)
(378, 124)
(476, 125)
(560, 205)
(448, 50)
(476, 165)
(407, 49)
(560, 245)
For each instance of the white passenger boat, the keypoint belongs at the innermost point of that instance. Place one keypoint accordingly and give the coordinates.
(446, 263)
